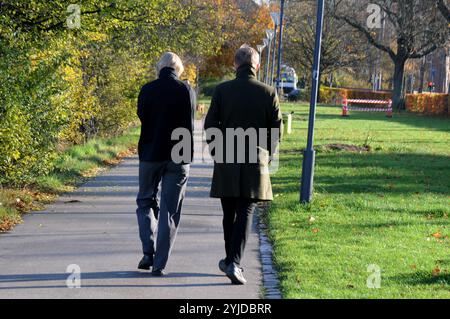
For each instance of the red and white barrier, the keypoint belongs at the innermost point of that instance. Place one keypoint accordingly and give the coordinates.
(346, 106)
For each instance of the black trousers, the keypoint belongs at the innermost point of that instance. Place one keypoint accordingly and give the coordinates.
(237, 222)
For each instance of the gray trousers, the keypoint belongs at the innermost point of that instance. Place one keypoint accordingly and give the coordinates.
(173, 178)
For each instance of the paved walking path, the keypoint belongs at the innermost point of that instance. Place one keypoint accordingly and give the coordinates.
(96, 229)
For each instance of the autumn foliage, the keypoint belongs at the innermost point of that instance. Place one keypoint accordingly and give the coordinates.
(436, 104)
(240, 22)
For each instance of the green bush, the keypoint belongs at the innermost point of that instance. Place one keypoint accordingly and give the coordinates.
(52, 100)
(29, 123)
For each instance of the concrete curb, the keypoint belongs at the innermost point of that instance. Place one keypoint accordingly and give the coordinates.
(270, 281)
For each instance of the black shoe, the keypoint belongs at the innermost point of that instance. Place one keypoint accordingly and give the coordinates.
(235, 274)
(223, 266)
(158, 272)
(145, 263)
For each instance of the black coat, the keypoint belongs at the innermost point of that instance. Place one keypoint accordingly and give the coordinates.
(164, 105)
(244, 103)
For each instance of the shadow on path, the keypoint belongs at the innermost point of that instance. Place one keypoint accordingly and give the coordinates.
(97, 275)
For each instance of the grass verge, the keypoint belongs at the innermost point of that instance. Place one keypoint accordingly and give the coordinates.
(72, 167)
(381, 202)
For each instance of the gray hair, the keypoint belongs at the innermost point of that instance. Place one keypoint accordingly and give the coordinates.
(246, 55)
(170, 60)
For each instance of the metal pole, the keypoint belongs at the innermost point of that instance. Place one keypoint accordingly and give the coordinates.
(380, 70)
(259, 70)
(274, 55)
(266, 77)
(266, 45)
(309, 154)
(260, 49)
(280, 45)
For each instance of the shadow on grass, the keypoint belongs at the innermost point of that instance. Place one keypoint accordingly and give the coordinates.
(371, 173)
(422, 278)
(435, 123)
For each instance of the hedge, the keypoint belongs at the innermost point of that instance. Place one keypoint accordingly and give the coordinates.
(334, 96)
(426, 103)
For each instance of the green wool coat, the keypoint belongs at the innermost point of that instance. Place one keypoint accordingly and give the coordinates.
(244, 103)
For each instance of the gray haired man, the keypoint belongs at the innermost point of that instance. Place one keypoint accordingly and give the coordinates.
(164, 105)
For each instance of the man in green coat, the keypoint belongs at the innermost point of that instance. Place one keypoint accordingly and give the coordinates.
(246, 122)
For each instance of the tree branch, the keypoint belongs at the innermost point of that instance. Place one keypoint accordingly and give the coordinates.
(368, 35)
(443, 9)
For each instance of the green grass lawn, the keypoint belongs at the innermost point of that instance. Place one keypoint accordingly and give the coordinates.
(388, 206)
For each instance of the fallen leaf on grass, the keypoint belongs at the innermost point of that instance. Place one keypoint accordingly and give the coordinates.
(112, 162)
(315, 230)
(312, 219)
(436, 271)
(20, 204)
(7, 223)
(92, 172)
(413, 267)
(437, 235)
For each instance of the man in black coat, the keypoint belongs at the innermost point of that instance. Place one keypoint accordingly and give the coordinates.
(164, 106)
(243, 104)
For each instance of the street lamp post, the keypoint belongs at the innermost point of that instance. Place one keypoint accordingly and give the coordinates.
(266, 42)
(270, 35)
(280, 46)
(309, 154)
(260, 49)
(275, 18)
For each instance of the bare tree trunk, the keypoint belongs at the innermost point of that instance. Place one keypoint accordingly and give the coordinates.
(399, 72)
(422, 75)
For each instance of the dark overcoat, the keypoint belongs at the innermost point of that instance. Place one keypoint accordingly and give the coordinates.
(245, 103)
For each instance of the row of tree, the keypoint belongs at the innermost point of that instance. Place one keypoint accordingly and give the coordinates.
(357, 38)
(70, 72)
